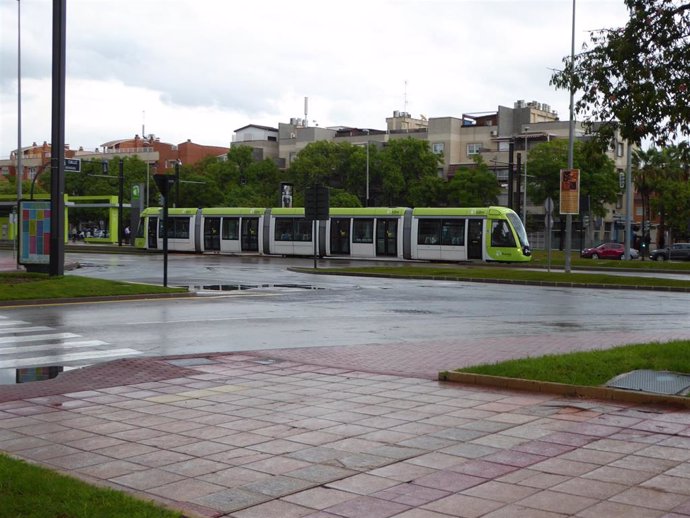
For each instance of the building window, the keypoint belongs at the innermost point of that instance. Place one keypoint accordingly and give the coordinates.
(437, 148)
(619, 149)
(473, 149)
(504, 146)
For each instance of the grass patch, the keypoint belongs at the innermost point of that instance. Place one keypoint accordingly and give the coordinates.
(33, 286)
(593, 368)
(31, 491)
(540, 258)
(500, 273)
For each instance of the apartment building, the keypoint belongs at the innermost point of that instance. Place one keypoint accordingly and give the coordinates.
(459, 140)
(161, 156)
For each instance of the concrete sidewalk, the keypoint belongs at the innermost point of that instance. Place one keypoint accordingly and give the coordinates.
(246, 436)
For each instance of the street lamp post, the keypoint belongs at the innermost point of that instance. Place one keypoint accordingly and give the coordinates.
(20, 166)
(120, 195)
(571, 142)
(524, 187)
(178, 163)
(366, 198)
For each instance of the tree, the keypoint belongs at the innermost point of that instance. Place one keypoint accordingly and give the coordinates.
(410, 173)
(661, 178)
(476, 187)
(636, 78)
(598, 178)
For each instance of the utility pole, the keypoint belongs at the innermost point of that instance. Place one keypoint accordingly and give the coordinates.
(120, 195)
(56, 265)
(571, 143)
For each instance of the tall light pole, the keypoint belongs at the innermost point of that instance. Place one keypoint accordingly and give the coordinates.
(366, 203)
(19, 173)
(524, 188)
(20, 165)
(571, 142)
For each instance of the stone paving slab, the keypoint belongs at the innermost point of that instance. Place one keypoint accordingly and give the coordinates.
(234, 438)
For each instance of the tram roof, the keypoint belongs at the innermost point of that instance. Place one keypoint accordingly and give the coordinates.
(461, 211)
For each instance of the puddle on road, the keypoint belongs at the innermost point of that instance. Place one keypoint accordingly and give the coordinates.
(30, 374)
(247, 287)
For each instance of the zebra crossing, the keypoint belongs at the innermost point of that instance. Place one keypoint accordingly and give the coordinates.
(23, 345)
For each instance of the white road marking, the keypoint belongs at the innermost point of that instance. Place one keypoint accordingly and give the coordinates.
(24, 329)
(49, 347)
(34, 338)
(61, 359)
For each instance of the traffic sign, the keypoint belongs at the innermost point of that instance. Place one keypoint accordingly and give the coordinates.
(73, 165)
(316, 203)
(548, 205)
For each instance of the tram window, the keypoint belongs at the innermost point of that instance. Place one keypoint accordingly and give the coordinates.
(429, 231)
(291, 229)
(453, 232)
(363, 231)
(230, 229)
(303, 229)
(501, 236)
(140, 228)
(178, 228)
(284, 230)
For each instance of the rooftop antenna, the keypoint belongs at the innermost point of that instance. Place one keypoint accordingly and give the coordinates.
(143, 124)
(405, 98)
(306, 112)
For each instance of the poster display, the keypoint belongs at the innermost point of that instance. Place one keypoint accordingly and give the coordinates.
(570, 191)
(34, 232)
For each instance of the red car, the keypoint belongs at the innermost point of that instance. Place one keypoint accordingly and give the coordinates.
(608, 251)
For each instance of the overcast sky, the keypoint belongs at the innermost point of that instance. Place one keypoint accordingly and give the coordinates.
(200, 69)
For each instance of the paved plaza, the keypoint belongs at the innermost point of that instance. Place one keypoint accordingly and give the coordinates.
(246, 435)
(359, 431)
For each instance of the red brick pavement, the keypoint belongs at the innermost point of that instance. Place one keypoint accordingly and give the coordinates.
(427, 359)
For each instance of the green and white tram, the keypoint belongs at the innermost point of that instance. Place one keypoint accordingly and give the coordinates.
(431, 234)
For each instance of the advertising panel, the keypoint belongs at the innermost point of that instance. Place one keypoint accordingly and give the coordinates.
(34, 232)
(570, 191)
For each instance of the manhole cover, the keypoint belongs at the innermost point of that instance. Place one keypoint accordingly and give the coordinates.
(657, 382)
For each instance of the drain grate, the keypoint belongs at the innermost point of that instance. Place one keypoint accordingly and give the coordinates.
(657, 382)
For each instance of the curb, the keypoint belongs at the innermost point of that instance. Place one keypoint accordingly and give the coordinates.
(553, 284)
(83, 300)
(561, 389)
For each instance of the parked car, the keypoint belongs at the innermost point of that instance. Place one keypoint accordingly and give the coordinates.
(675, 252)
(608, 251)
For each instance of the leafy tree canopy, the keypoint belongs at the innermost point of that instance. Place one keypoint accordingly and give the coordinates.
(636, 78)
(476, 187)
(598, 178)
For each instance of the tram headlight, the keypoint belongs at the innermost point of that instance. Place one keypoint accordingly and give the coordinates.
(526, 251)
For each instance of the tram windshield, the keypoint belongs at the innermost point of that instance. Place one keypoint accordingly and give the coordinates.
(519, 228)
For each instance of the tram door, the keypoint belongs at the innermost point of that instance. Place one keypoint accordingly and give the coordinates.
(212, 234)
(387, 237)
(474, 238)
(340, 236)
(152, 232)
(250, 234)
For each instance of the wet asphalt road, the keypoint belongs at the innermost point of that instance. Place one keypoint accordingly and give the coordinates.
(276, 308)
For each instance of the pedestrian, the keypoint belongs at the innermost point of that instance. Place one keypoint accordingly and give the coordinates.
(127, 233)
